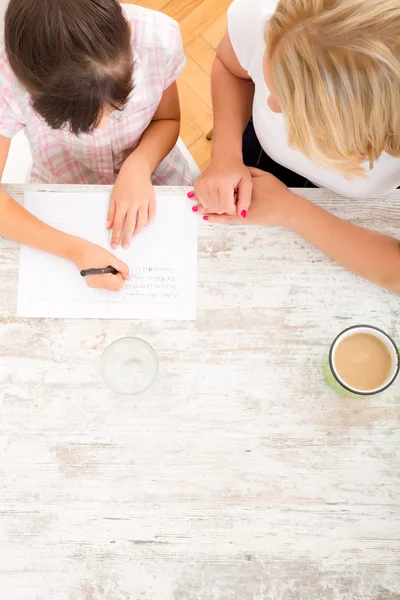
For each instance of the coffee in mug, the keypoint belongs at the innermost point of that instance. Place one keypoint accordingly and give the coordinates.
(363, 361)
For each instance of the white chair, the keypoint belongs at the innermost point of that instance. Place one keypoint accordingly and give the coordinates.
(19, 161)
(194, 169)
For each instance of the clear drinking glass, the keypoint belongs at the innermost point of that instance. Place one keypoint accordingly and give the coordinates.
(129, 366)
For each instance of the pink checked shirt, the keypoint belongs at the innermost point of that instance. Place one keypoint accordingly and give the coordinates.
(61, 157)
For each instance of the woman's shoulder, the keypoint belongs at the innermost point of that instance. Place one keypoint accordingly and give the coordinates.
(246, 24)
(252, 9)
(151, 28)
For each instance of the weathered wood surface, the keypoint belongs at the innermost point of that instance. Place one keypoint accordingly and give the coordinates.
(239, 475)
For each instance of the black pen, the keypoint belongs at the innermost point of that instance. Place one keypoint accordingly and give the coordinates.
(106, 270)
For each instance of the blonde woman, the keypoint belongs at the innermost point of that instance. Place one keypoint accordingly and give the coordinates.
(319, 81)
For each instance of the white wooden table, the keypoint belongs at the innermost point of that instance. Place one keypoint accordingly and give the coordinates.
(239, 475)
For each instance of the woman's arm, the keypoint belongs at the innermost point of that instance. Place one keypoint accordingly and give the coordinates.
(133, 199)
(232, 94)
(20, 226)
(369, 254)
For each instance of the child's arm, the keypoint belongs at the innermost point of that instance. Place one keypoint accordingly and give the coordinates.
(20, 226)
(133, 196)
(161, 135)
(366, 253)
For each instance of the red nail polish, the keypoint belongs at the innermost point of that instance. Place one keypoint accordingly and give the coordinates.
(243, 214)
(205, 218)
(190, 195)
(195, 209)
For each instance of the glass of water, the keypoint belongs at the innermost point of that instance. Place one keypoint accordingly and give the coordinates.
(129, 366)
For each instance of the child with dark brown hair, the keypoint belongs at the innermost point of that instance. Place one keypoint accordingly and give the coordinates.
(92, 84)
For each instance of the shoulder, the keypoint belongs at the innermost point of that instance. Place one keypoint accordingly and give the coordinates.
(10, 88)
(152, 29)
(157, 50)
(7, 77)
(246, 24)
(252, 9)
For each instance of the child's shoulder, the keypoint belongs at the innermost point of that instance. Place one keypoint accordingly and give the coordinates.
(10, 86)
(5, 71)
(151, 28)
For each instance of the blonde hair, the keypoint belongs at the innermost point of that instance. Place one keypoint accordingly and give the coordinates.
(335, 70)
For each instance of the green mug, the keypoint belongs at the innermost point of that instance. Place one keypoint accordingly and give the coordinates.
(334, 380)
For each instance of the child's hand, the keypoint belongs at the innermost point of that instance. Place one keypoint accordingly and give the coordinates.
(133, 203)
(90, 256)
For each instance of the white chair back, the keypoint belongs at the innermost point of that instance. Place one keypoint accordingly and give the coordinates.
(194, 169)
(19, 161)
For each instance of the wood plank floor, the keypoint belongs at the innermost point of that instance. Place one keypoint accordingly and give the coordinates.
(203, 23)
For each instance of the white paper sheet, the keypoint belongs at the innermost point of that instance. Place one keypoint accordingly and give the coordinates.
(162, 261)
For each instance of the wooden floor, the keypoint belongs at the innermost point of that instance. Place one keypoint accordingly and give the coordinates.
(203, 23)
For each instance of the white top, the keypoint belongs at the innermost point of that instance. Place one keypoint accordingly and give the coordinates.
(246, 21)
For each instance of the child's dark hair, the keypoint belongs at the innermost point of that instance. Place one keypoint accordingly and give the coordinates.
(73, 56)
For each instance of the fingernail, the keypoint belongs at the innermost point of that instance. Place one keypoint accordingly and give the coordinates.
(205, 218)
(190, 195)
(195, 209)
(113, 245)
(243, 214)
(125, 245)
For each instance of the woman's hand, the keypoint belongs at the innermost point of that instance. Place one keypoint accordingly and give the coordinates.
(270, 203)
(225, 188)
(133, 202)
(90, 256)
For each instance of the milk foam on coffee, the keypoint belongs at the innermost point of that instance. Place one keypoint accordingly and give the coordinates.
(363, 362)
